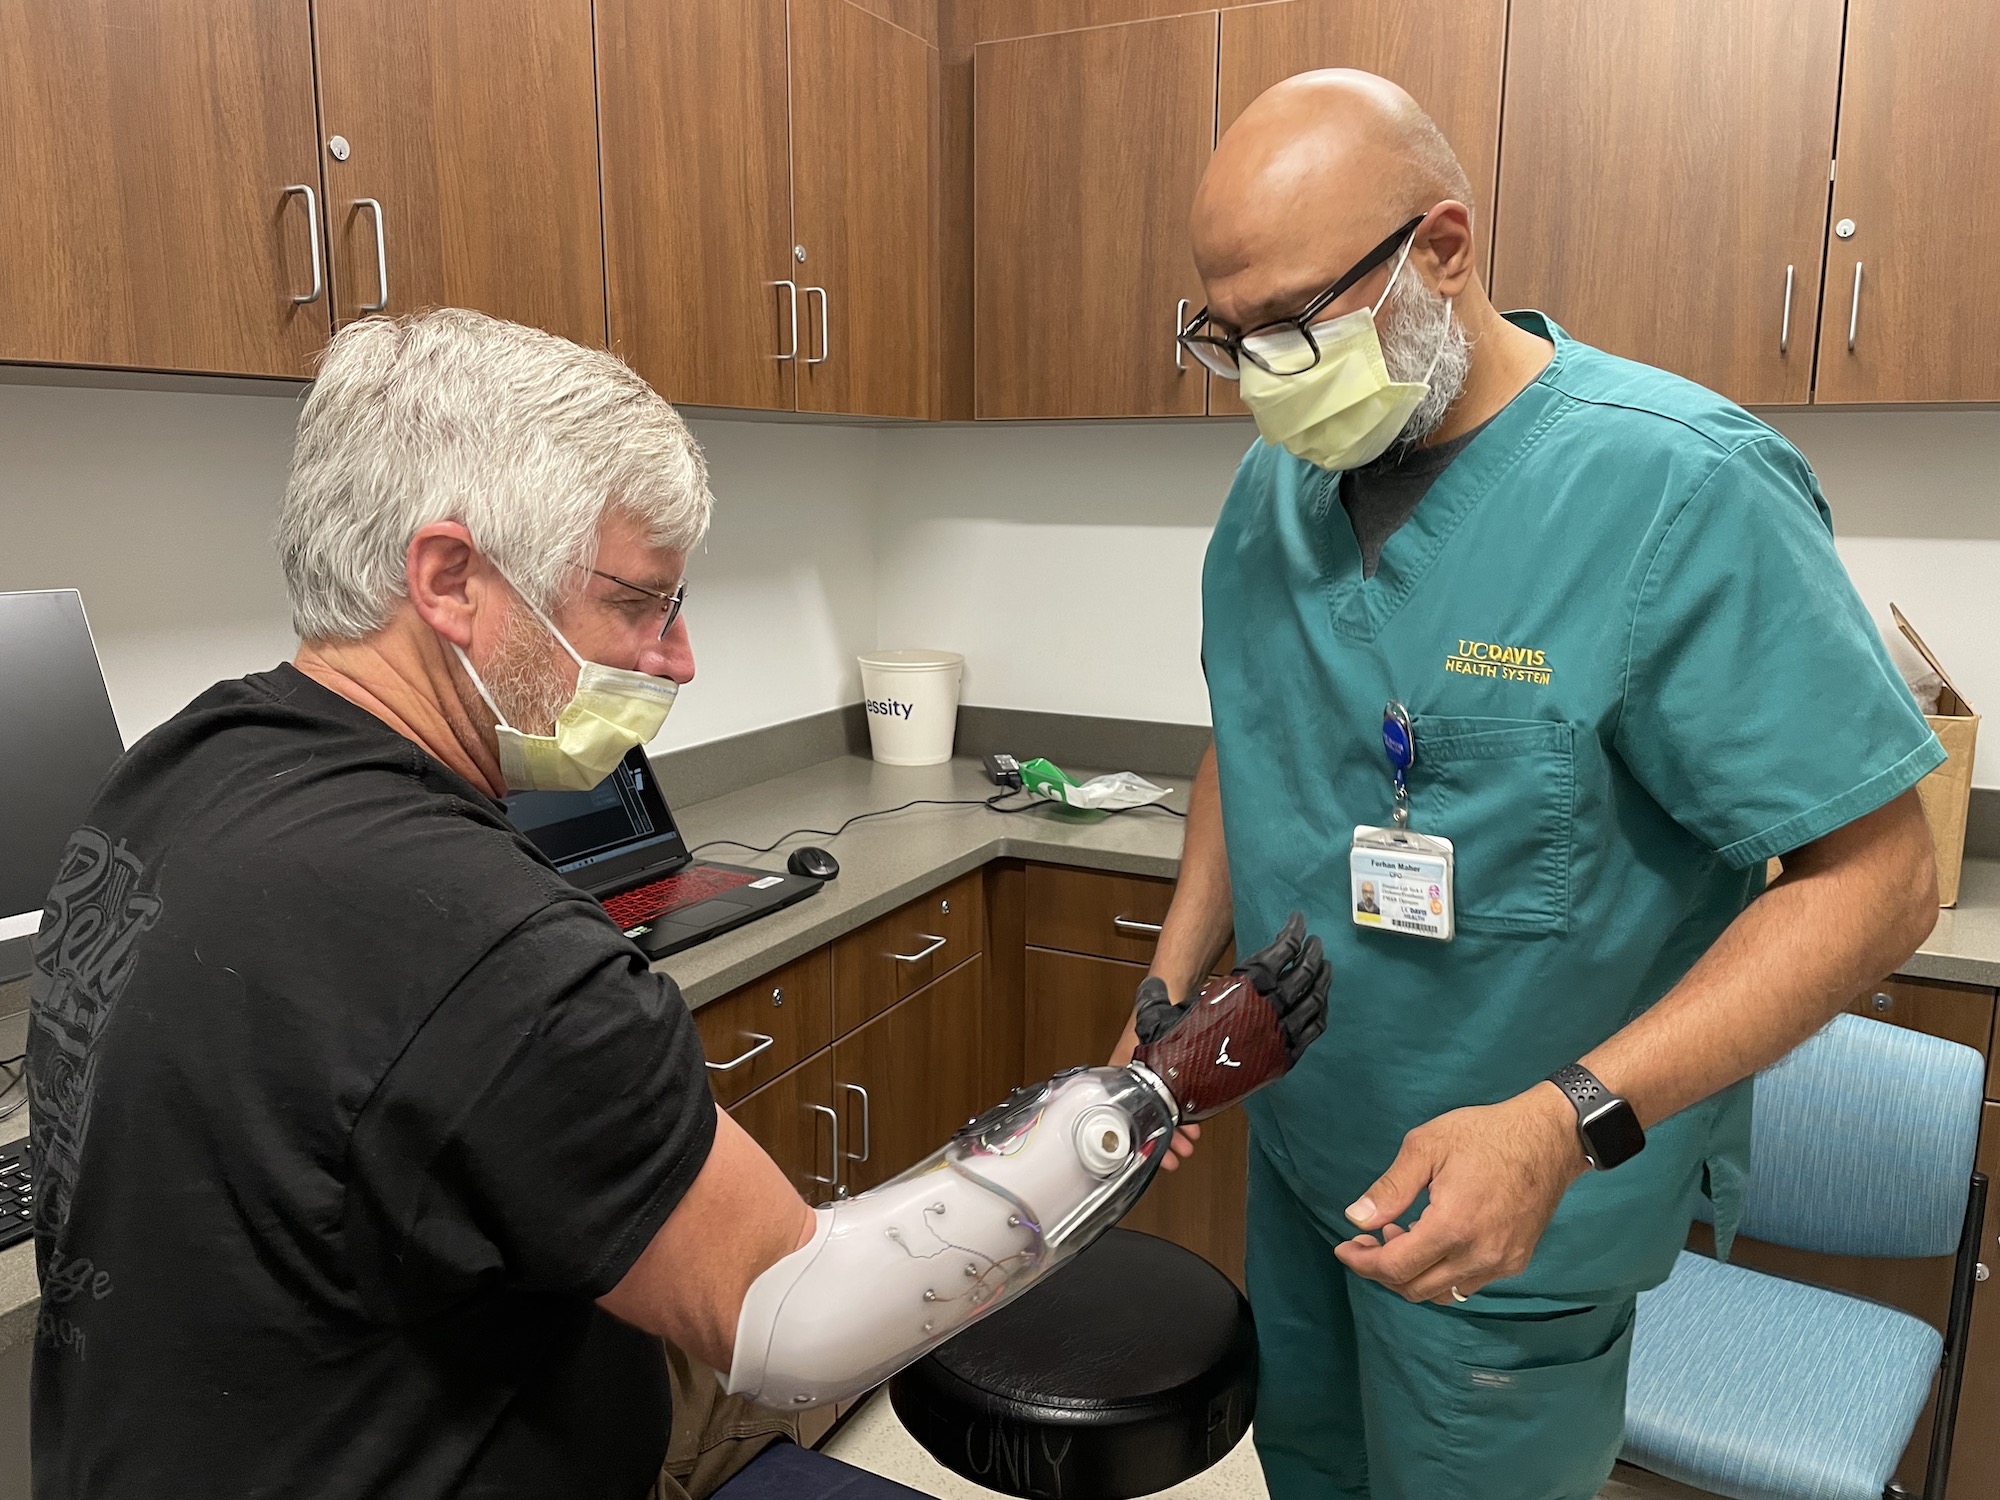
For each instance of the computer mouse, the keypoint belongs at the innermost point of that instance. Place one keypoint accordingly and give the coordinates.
(816, 863)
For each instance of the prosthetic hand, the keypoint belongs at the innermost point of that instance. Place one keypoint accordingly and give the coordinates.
(1240, 1032)
(893, 1273)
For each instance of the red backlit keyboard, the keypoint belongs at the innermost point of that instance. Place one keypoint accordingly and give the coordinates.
(673, 893)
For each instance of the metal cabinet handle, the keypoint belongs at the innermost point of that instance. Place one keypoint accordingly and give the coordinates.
(834, 1119)
(867, 1127)
(922, 953)
(1133, 925)
(381, 302)
(792, 288)
(1180, 322)
(825, 339)
(312, 230)
(1785, 328)
(764, 1044)
(1854, 309)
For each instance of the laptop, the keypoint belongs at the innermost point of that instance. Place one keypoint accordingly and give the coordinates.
(618, 842)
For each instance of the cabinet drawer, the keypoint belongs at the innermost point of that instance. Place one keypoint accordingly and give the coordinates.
(753, 1034)
(897, 955)
(1083, 911)
(1106, 916)
(1957, 1012)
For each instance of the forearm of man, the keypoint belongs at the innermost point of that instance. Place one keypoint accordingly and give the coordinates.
(1847, 910)
(1200, 918)
(740, 1217)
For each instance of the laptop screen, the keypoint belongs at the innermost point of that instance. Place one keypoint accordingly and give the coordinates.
(619, 827)
(57, 739)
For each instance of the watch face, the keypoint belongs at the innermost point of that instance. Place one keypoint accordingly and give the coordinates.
(1612, 1135)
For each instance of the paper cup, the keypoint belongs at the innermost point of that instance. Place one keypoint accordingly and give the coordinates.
(912, 703)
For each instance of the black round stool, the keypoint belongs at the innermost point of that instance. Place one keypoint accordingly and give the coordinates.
(1127, 1371)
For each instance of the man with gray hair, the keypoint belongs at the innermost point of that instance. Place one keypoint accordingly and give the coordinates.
(373, 1159)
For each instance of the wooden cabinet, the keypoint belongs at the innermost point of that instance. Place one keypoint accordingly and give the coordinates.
(1663, 181)
(793, 1119)
(1907, 314)
(470, 178)
(697, 197)
(909, 1078)
(1076, 1009)
(1975, 1456)
(154, 161)
(1961, 1013)
(897, 955)
(736, 134)
(761, 1030)
(1087, 146)
(862, 125)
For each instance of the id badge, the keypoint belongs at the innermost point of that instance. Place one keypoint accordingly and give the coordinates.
(1402, 882)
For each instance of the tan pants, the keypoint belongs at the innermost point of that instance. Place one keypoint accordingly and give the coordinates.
(714, 1435)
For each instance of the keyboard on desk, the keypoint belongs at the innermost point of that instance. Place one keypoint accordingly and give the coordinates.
(674, 893)
(17, 1197)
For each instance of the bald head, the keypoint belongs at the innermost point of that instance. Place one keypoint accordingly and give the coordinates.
(1307, 180)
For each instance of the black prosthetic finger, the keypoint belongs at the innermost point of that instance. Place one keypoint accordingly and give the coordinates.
(1297, 981)
(1266, 964)
(1157, 1013)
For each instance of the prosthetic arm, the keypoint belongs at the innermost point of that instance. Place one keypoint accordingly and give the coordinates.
(889, 1275)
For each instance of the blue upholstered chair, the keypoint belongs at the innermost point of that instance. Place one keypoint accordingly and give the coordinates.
(1760, 1388)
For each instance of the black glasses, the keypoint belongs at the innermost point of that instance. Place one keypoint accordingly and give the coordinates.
(1287, 346)
(670, 604)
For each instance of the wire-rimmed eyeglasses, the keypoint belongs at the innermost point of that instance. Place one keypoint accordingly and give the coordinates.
(670, 603)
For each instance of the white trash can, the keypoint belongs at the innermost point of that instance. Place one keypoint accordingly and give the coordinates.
(912, 703)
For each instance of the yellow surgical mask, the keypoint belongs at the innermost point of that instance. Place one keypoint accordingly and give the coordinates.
(611, 710)
(1345, 411)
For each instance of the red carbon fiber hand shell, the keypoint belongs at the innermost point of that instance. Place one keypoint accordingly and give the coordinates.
(1225, 1048)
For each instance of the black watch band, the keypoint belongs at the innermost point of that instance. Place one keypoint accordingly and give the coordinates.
(1606, 1126)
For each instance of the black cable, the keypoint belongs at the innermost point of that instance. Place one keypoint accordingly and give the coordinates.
(992, 804)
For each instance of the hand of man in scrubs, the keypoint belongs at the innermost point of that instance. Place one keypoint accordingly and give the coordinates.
(1496, 1172)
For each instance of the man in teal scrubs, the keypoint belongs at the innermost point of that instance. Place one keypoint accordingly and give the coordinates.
(1634, 671)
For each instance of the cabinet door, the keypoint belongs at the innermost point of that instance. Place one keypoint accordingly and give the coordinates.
(1663, 181)
(1919, 155)
(792, 1119)
(1456, 81)
(145, 151)
(898, 954)
(753, 1034)
(1076, 1009)
(1975, 1454)
(862, 110)
(1961, 1013)
(473, 123)
(1087, 146)
(697, 197)
(909, 1078)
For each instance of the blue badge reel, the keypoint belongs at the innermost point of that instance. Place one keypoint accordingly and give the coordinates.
(1401, 879)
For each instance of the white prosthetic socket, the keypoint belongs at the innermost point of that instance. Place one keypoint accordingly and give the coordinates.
(889, 1275)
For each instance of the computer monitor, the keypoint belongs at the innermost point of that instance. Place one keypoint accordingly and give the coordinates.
(620, 827)
(57, 739)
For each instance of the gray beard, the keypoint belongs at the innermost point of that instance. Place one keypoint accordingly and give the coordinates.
(1416, 324)
(526, 678)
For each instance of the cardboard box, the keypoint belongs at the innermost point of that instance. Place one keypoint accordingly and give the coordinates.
(1947, 792)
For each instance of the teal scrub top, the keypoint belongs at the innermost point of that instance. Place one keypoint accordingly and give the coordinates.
(1637, 669)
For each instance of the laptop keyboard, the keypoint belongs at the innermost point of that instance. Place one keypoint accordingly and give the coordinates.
(678, 890)
(17, 1198)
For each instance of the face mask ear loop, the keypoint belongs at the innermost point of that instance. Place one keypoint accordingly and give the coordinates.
(1405, 255)
(485, 697)
(1443, 339)
(550, 626)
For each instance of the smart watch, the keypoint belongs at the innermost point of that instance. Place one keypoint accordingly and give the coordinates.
(1606, 1125)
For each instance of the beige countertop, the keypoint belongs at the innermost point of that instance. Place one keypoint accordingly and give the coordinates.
(887, 861)
(1965, 944)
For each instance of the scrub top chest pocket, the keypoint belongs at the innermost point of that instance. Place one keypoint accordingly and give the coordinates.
(1504, 792)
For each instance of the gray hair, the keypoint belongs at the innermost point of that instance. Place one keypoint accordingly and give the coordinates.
(524, 438)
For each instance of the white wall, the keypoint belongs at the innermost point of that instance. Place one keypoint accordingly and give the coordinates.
(158, 505)
(1064, 560)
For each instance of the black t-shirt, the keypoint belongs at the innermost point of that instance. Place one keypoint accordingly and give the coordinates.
(346, 1107)
(1379, 497)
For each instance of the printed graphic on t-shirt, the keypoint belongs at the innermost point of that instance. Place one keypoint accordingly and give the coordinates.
(98, 909)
